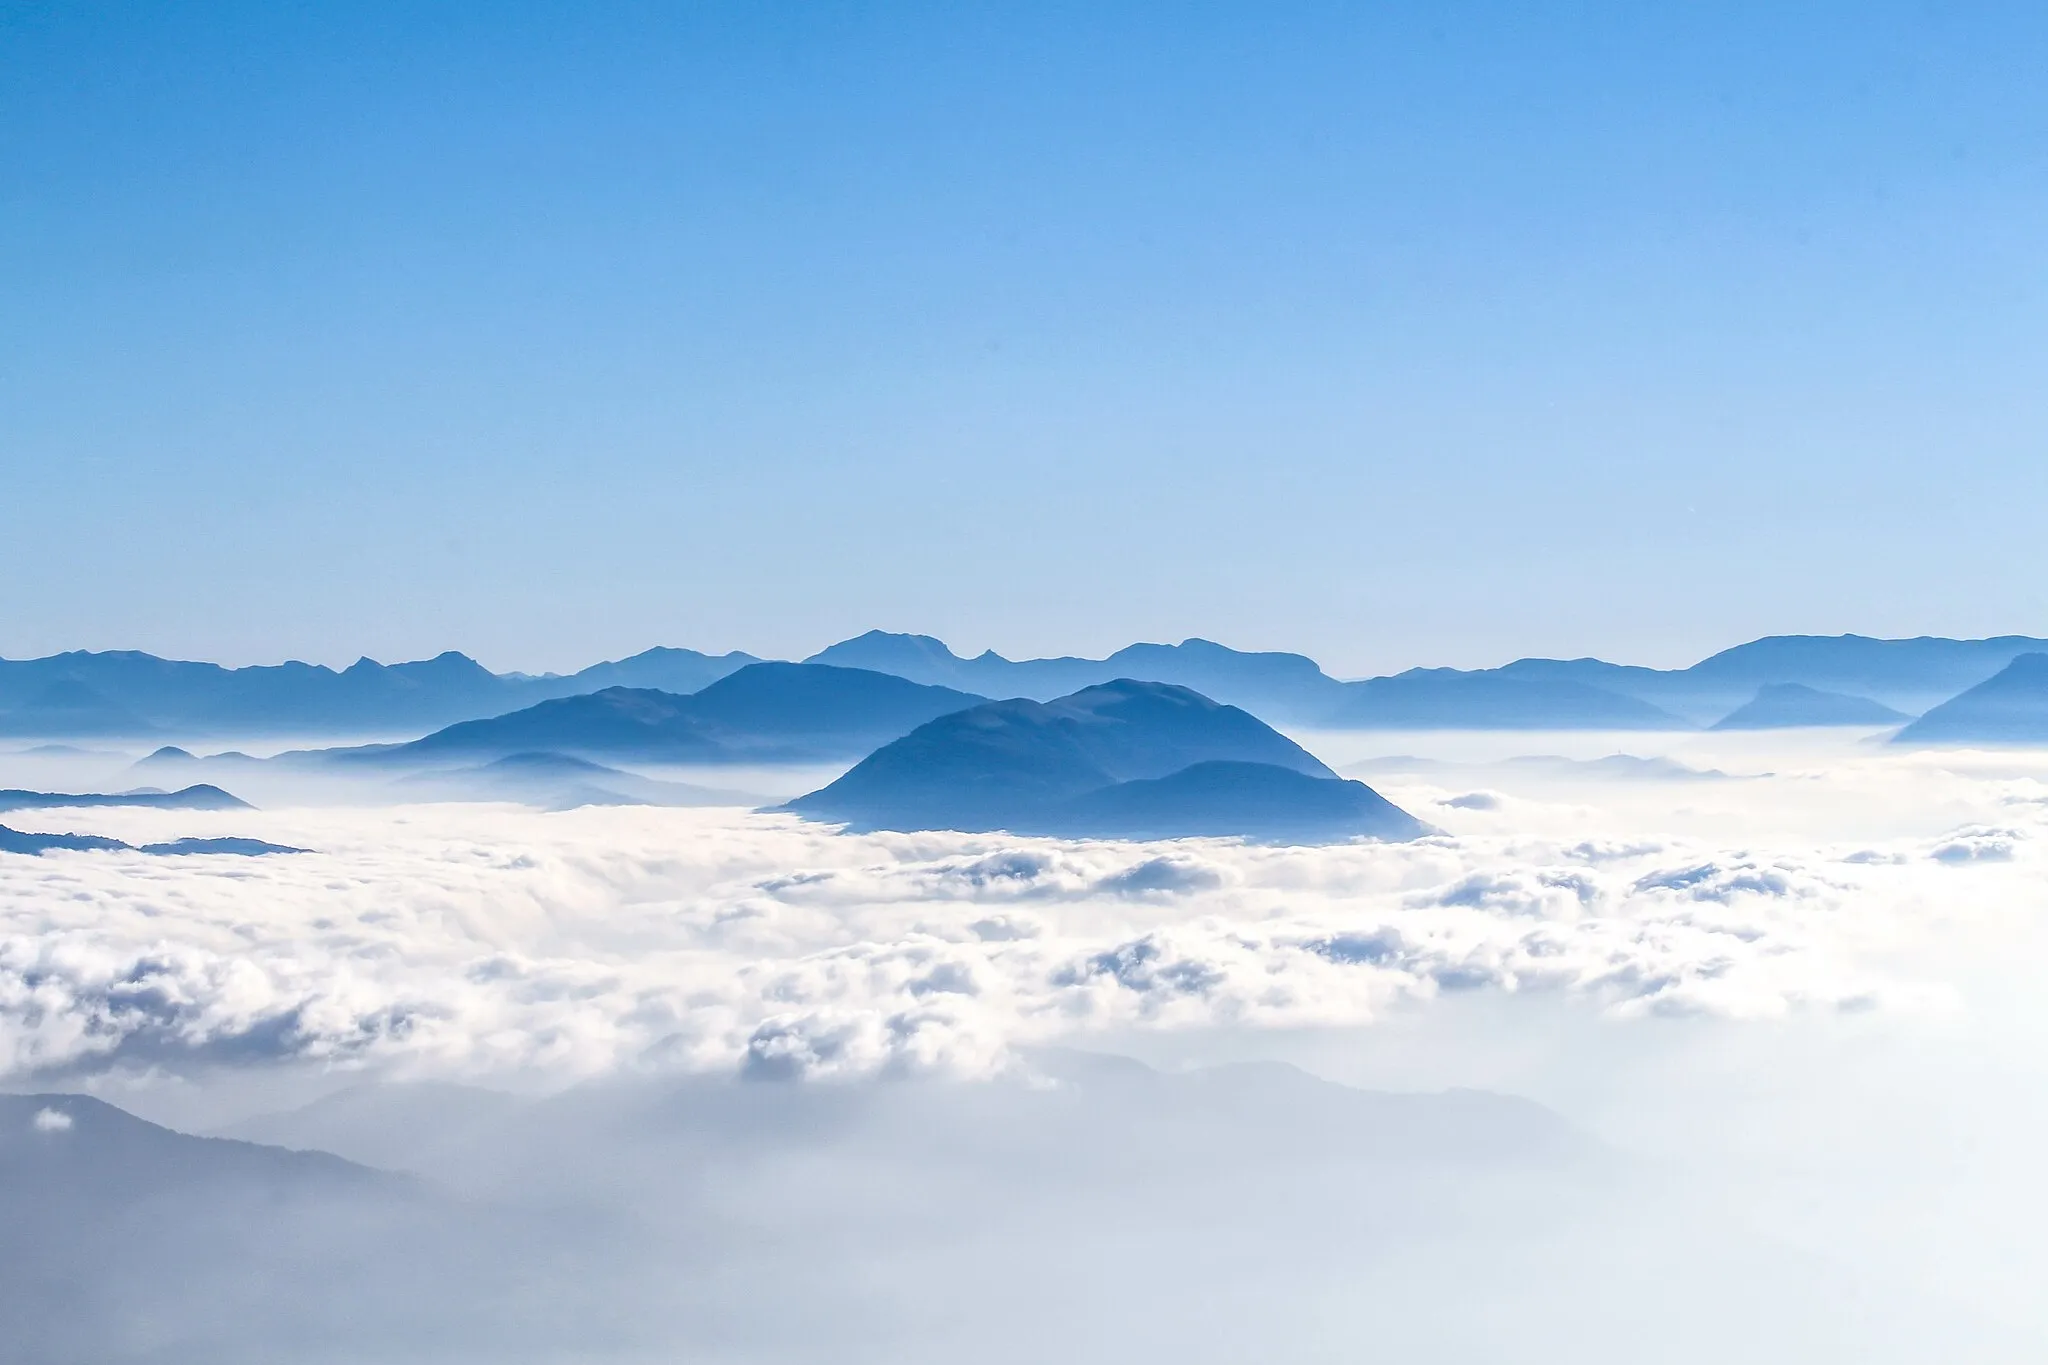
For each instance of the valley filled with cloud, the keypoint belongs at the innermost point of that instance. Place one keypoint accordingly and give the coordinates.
(1623, 1041)
(463, 941)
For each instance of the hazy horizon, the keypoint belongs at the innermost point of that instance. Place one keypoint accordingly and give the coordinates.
(345, 658)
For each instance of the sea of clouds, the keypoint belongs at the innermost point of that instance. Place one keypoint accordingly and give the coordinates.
(725, 1085)
(471, 940)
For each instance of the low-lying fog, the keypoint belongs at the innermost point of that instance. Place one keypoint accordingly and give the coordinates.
(1731, 1048)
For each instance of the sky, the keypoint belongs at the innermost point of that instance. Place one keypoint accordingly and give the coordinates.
(1394, 334)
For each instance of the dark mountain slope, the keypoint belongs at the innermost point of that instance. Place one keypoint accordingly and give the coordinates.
(618, 720)
(26, 841)
(764, 712)
(1058, 767)
(2010, 708)
(1223, 799)
(814, 706)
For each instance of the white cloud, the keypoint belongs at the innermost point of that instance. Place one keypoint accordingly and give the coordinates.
(51, 1121)
(469, 940)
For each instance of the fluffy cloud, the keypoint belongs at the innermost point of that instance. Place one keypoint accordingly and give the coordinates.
(468, 940)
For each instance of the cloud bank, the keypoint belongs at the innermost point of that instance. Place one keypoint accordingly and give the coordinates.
(467, 941)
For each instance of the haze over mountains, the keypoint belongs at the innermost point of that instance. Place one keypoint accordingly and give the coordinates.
(124, 692)
(1869, 682)
(639, 1222)
(1779, 706)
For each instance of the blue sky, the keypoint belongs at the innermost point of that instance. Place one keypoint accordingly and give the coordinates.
(1395, 334)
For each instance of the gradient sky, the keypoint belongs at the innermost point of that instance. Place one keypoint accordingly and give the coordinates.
(1396, 334)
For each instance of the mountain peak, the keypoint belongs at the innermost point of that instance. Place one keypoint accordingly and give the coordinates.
(1074, 766)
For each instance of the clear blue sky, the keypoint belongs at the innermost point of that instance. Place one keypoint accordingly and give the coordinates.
(1416, 333)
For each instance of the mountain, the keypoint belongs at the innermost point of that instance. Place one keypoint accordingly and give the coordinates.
(1286, 687)
(23, 841)
(230, 846)
(1908, 674)
(661, 669)
(1782, 706)
(200, 796)
(561, 782)
(1905, 675)
(69, 707)
(1223, 799)
(1052, 767)
(125, 692)
(765, 712)
(617, 720)
(127, 1241)
(2009, 708)
(128, 693)
(1447, 699)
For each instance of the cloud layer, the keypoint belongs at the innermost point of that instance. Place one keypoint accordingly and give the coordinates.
(475, 940)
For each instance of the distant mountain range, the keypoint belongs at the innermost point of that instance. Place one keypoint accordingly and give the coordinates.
(764, 712)
(198, 797)
(1123, 759)
(127, 694)
(1286, 688)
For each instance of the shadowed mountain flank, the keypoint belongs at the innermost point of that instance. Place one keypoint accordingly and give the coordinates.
(763, 712)
(1191, 765)
(2010, 708)
(1218, 798)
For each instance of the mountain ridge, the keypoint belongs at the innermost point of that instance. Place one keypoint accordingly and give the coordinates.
(1127, 758)
(765, 712)
(128, 692)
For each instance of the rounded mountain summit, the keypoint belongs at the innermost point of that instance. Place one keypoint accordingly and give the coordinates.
(1123, 759)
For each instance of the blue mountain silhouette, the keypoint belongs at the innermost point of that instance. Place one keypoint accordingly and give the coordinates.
(763, 712)
(1779, 706)
(2010, 708)
(1121, 759)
